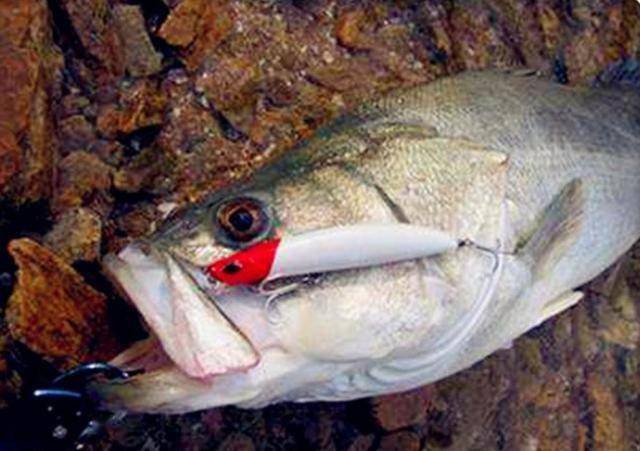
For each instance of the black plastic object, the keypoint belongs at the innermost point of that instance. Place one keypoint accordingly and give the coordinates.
(59, 416)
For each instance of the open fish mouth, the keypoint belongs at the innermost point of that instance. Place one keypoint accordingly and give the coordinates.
(188, 330)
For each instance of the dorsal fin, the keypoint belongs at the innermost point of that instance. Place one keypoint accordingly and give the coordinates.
(557, 230)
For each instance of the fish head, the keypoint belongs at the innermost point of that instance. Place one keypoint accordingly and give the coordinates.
(212, 344)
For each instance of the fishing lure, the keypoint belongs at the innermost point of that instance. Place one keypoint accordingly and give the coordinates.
(330, 249)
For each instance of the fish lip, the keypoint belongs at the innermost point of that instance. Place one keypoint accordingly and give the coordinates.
(113, 265)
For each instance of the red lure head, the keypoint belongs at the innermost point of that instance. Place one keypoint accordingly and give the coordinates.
(246, 267)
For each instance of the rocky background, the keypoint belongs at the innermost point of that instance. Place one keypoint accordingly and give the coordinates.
(113, 112)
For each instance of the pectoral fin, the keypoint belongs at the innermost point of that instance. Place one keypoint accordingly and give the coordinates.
(560, 304)
(557, 231)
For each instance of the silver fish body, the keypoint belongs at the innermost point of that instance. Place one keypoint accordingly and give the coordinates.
(550, 174)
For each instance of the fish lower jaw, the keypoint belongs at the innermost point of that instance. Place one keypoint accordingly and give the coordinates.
(187, 328)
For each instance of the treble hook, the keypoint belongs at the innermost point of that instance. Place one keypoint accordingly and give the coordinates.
(273, 294)
(68, 407)
(83, 373)
(494, 252)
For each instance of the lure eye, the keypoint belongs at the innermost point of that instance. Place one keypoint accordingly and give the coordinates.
(242, 219)
(232, 268)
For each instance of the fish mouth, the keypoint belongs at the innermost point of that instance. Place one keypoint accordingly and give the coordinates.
(188, 331)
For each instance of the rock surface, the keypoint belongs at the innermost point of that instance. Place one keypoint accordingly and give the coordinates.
(29, 81)
(54, 312)
(76, 236)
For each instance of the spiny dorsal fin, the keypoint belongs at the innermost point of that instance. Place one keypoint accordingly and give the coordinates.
(558, 229)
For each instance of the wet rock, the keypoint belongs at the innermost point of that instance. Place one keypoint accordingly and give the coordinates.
(10, 158)
(400, 410)
(71, 105)
(54, 312)
(140, 173)
(76, 236)
(140, 57)
(75, 133)
(111, 152)
(183, 25)
(200, 25)
(29, 79)
(608, 426)
(400, 441)
(606, 32)
(618, 316)
(96, 29)
(138, 105)
(475, 30)
(137, 222)
(261, 76)
(465, 410)
(230, 81)
(349, 30)
(83, 180)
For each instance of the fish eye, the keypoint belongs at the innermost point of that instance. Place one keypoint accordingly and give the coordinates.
(242, 220)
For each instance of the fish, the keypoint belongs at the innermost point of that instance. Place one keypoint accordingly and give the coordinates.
(548, 175)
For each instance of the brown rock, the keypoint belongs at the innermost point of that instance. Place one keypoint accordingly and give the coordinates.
(617, 316)
(215, 24)
(29, 77)
(230, 82)
(111, 152)
(183, 24)
(400, 410)
(400, 441)
(72, 104)
(349, 30)
(19, 79)
(75, 133)
(10, 158)
(83, 181)
(138, 105)
(139, 222)
(76, 236)
(481, 44)
(140, 57)
(608, 427)
(54, 312)
(93, 21)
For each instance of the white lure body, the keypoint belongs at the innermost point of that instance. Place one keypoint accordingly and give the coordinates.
(356, 246)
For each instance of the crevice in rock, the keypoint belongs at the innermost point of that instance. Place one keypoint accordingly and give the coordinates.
(155, 12)
(64, 33)
(139, 139)
(228, 129)
(441, 428)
